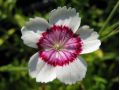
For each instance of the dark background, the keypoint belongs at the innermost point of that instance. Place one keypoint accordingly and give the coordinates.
(103, 64)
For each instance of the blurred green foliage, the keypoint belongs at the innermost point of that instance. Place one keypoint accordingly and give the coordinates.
(102, 72)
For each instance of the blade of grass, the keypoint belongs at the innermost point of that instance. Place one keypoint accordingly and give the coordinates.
(110, 34)
(109, 17)
(109, 29)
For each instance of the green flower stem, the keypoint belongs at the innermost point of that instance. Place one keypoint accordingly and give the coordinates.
(109, 17)
(42, 86)
(12, 68)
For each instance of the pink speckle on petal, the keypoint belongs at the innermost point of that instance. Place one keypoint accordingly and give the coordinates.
(59, 45)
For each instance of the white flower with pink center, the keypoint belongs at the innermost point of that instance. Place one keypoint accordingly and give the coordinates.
(60, 43)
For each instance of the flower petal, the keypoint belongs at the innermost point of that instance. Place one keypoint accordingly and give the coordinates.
(32, 30)
(34, 65)
(72, 72)
(90, 39)
(40, 70)
(90, 46)
(36, 25)
(46, 74)
(64, 16)
(87, 33)
(30, 38)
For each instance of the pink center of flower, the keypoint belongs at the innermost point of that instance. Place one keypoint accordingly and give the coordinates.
(59, 46)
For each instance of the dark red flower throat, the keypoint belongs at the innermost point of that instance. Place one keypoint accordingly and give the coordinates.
(59, 46)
